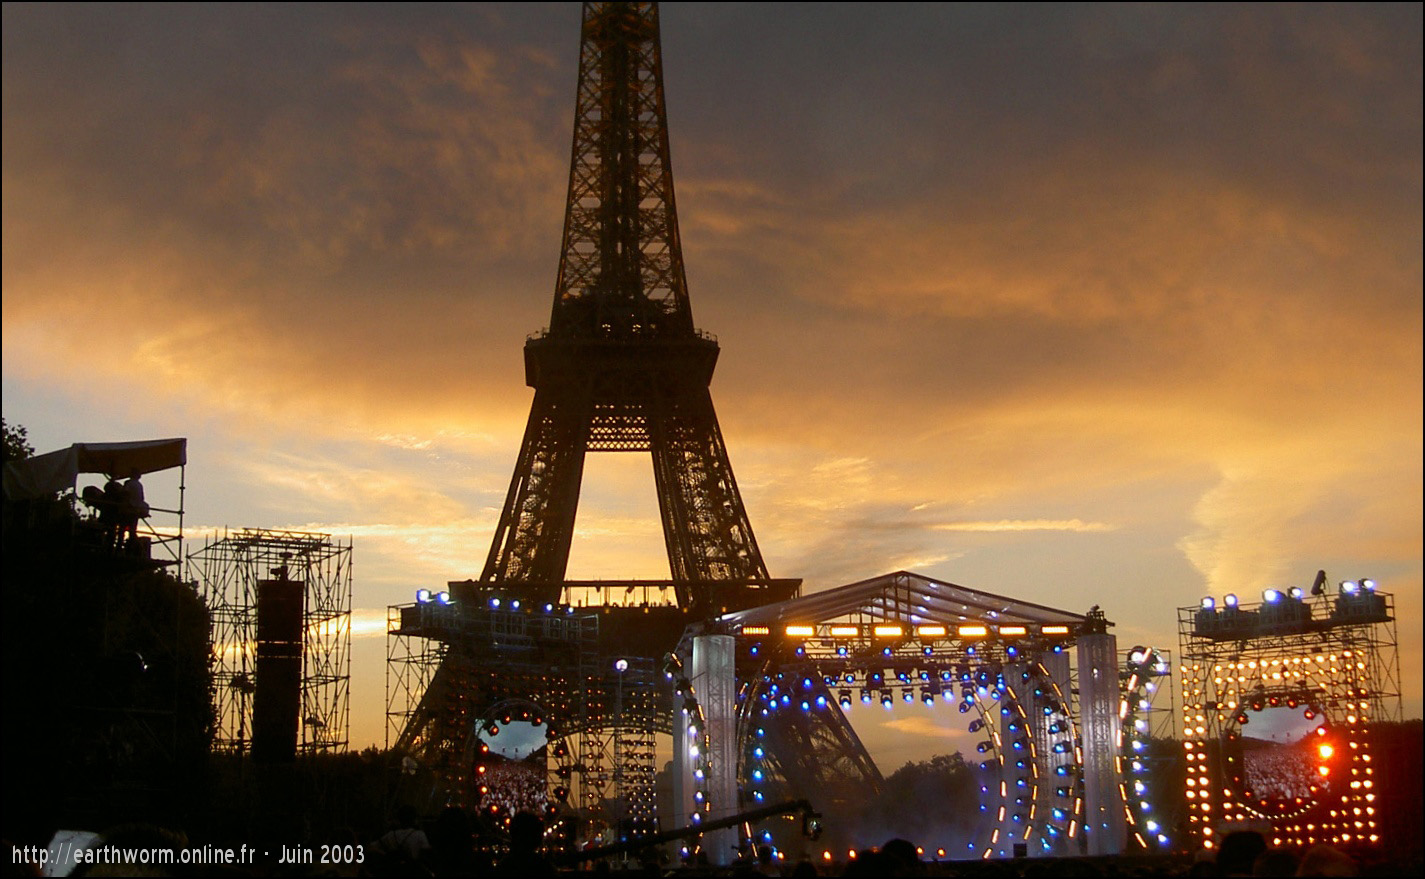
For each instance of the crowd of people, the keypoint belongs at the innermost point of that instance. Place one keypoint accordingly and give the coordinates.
(1279, 773)
(514, 787)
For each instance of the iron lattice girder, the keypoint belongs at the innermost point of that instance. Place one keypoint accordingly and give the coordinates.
(817, 754)
(550, 659)
(706, 529)
(622, 266)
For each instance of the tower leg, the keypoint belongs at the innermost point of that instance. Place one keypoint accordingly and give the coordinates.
(705, 525)
(537, 525)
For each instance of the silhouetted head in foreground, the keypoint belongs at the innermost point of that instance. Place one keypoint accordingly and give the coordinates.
(526, 832)
(1239, 852)
(900, 857)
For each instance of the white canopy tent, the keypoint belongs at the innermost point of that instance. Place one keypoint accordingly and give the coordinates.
(58, 471)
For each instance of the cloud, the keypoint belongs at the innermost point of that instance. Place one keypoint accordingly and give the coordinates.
(368, 622)
(917, 725)
(1024, 525)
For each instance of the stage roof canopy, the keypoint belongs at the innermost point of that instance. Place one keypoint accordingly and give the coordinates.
(904, 597)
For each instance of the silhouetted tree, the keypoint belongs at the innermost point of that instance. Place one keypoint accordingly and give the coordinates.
(17, 445)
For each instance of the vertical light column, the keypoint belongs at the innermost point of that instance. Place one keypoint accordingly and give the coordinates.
(1012, 729)
(1102, 735)
(1057, 674)
(715, 683)
(682, 769)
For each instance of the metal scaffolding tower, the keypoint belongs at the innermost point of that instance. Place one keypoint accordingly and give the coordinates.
(1328, 665)
(456, 665)
(228, 571)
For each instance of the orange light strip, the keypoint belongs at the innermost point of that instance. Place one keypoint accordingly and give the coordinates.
(888, 631)
(756, 630)
(801, 631)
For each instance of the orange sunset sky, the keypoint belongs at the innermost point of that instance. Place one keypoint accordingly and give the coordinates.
(1078, 304)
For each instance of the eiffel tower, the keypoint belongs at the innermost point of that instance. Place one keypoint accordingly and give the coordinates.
(621, 367)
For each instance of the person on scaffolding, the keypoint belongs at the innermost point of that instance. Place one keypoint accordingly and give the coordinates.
(133, 509)
(110, 505)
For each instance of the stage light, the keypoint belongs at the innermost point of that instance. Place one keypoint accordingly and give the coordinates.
(494, 602)
(443, 597)
(973, 631)
(888, 631)
(1230, 600)
(514, 605)
(801, 631)
(1209, 603)
(621, 666)
(1011, 631)
(1295, 592)
(845, 631)
(1054, 630)
(1350, 587)
(930, 631)
(422, 596)
(756, 630)
(1368, 585)
(1271, 596)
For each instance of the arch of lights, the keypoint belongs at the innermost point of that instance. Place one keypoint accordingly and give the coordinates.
(1028, 762)
(1143, 670)
(1333, 662)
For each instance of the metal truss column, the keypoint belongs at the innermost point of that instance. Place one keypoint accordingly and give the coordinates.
(1098, 711)
(714, 679)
